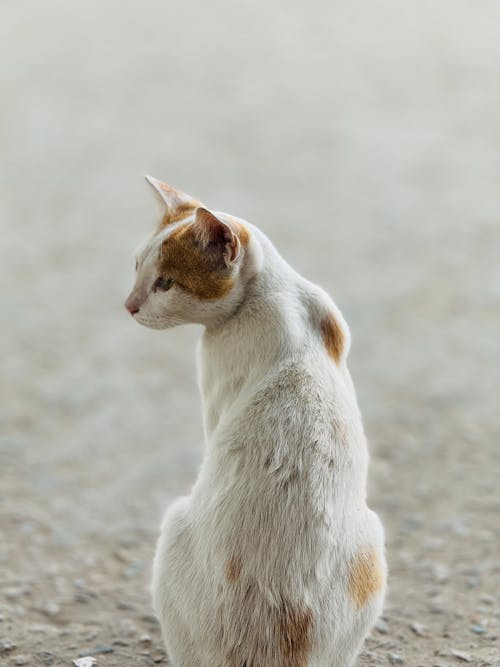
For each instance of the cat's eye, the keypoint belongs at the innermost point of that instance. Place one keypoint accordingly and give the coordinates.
(163, 284)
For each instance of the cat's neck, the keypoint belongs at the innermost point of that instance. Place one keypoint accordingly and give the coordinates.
(269, 326)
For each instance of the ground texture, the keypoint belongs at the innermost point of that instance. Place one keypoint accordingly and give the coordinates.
(364, 139)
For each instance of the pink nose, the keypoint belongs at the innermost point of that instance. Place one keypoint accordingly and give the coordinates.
(131, 308)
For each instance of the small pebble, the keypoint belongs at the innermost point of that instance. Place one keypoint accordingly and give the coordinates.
(97, 650)
(477, 629)
(487, 599)
(22, 660)
(127, 628)
(149, 618)
(395, 658)
(440, 572)
(381, 626)
(418, 629)
(461, 655)
(50, 609)
(6, 646)
(145, 639)
(13, 592)
(458, 527)
(87, 661)
(135, 568)
(126, 606)
(436, 605)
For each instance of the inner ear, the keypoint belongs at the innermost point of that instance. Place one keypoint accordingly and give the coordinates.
(177, 203)
(216, 235)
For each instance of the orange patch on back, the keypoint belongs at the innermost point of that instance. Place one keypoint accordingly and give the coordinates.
(366, 576)
(295, 628)
(233, 569)
(333, 336)
(281, 636)
(199, 272)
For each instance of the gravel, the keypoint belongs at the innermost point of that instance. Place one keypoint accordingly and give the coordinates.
(362, 137)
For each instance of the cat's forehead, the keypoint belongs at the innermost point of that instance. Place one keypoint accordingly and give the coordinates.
(150, 247)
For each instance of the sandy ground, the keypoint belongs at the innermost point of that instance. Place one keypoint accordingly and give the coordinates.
(364, 139)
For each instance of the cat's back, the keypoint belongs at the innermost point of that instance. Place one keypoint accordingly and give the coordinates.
(300, 402)
(280, 511)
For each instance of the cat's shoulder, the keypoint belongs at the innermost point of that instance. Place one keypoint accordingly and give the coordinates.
(294, 382)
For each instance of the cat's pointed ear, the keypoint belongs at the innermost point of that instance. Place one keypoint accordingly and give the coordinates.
(216, 235)
(176, 202)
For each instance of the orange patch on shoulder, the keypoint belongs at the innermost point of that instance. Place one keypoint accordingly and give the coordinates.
(194, 270)
(333, 336)
(233, 569)
(366, 576)
(295, 629)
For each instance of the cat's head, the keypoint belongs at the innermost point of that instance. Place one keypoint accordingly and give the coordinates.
(191, 269)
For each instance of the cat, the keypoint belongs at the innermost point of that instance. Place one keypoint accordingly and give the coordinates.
(274, 559)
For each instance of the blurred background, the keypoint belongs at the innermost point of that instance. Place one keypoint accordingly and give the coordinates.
(363, 138)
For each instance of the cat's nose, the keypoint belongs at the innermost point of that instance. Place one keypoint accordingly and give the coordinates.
(131, 306)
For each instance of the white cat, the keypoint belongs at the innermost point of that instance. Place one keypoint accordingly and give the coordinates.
(274, 559)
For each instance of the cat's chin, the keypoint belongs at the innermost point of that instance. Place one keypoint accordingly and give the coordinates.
(157, 322)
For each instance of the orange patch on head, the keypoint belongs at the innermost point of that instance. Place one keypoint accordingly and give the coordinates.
(233, 569)
(366, 576)
(181, 211)
(295, 628)
(333, 336)
(193, 269)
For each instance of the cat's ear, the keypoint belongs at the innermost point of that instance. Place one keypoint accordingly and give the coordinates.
(175, 201)
(215, 235)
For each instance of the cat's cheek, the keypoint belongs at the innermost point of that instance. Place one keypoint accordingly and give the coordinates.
(157, 304)
(160, 311)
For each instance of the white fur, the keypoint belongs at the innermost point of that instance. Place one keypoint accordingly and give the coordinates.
(282, 486)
